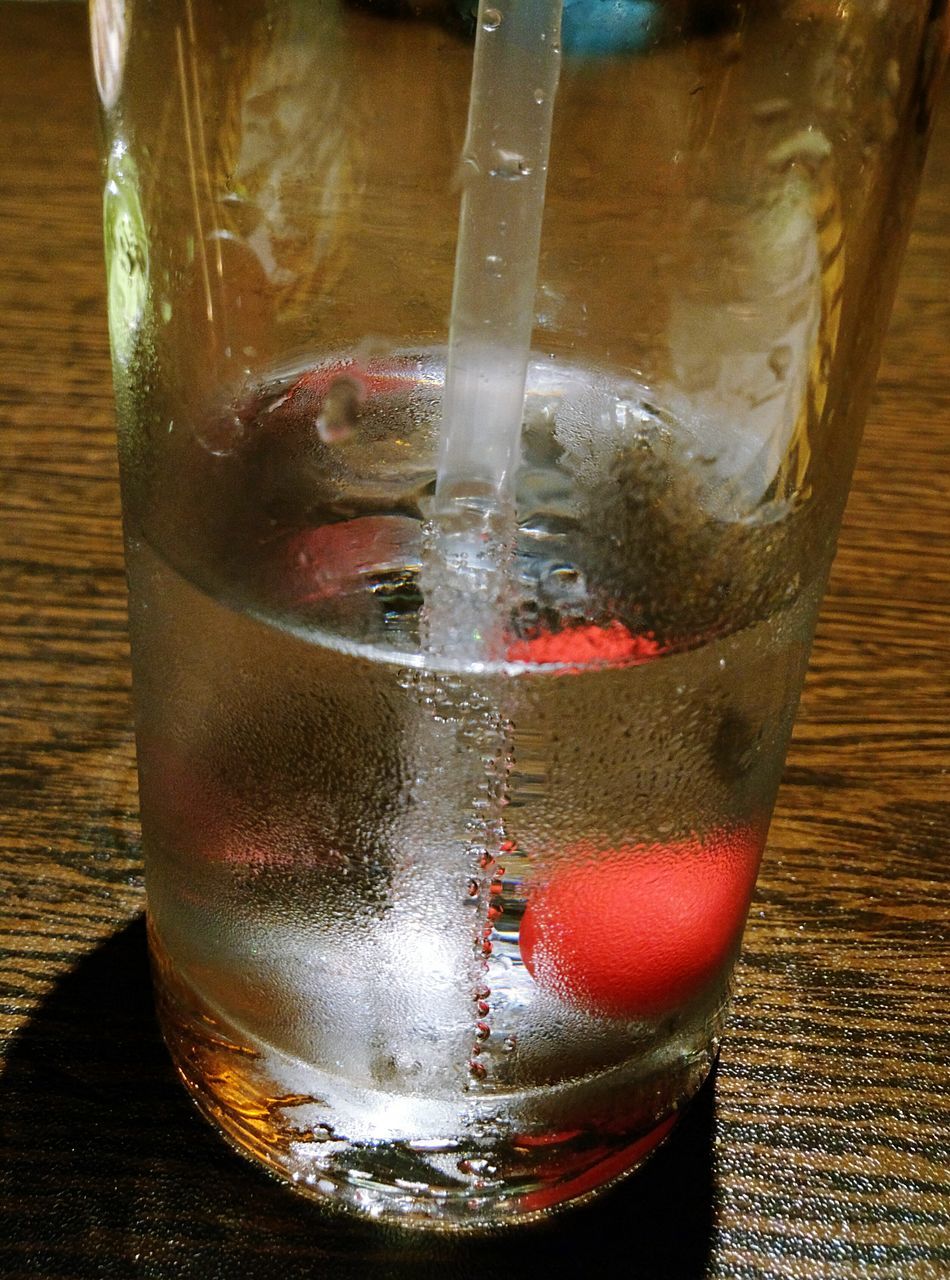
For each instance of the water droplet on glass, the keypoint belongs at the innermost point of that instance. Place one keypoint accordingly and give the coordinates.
(808, 148)
(492, 20)
(477, 1070)
(510, 1044)
(780, 361)
(540, 413)
(473, 888)
(539, 96)
(222, 436)
(493, 264)
(892, 77)
(562, 582)
(468, 168)
(771, 109)
(435, 1145)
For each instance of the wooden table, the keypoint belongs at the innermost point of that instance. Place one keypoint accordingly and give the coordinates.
(820, 1151)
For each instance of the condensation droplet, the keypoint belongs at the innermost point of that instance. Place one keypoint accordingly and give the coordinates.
(222, 436)
(780, 361)
(468, 169)
(434, 1145)
(539, 96)
(339, 412)
(492, 20)
(562, 582)
(892, 77)
(540, 413)
(771, 109)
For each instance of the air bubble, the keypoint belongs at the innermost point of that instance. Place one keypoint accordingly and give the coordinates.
(509, 165)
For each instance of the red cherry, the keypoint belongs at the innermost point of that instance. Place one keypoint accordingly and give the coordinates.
(324, 561)
(637, 931)
(585, 644)
(328, 400)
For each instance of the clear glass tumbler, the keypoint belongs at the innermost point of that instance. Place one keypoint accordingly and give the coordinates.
(445, 934)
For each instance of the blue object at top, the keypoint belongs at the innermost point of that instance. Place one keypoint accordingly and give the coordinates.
(597, 27)
(609, 26)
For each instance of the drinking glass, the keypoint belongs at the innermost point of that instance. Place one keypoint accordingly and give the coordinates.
(446, 884)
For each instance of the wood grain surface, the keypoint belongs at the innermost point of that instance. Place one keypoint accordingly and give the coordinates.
(820, 1150)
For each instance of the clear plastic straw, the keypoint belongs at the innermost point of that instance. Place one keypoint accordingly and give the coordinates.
(503, 175)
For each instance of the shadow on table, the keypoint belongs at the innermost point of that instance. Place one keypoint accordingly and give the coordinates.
(109, 1171)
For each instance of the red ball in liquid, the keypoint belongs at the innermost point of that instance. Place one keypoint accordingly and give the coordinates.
(635, 932)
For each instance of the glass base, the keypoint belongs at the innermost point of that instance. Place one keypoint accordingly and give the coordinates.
(479, 1176)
